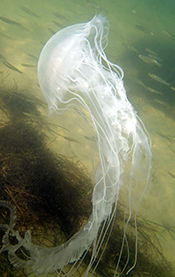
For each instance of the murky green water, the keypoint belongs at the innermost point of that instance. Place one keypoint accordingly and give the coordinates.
(141, 41)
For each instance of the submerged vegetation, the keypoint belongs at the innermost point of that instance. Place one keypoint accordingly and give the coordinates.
(30, 172)
(52, 196)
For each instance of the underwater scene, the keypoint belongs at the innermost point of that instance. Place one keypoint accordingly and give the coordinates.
(87, 138)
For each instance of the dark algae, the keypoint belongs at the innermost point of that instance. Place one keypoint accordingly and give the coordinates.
(9, 65)
(12, 22)
(29, 11)
(52, 196)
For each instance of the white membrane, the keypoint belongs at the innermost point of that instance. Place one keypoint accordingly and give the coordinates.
(74, 72)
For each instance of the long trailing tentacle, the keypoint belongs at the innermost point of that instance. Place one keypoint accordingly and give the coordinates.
(87, 79)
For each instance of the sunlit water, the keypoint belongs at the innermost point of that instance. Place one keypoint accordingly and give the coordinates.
(135, 29)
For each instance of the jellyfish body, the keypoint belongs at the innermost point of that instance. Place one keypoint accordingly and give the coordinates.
(73, 71)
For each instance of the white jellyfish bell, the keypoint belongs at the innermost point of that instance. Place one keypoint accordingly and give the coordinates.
(74, 72)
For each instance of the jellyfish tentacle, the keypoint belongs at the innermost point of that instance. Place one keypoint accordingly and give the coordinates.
(74, 71)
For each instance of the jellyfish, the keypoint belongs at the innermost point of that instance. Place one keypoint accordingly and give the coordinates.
(75, 74)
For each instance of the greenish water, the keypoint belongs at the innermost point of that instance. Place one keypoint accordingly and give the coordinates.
(142, 42)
